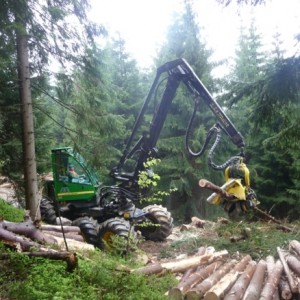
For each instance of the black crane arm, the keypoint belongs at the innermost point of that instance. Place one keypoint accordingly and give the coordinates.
(178, 71)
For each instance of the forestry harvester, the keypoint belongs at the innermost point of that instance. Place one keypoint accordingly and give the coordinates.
(105, 211)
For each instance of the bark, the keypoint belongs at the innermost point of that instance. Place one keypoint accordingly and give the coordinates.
(294, 264)
(236, 238)
(196, 277)
(57, 228)
(73, 245)
(239, 288)
(69, 258)
(295, 245)
(284, 289)
(220, 289)
(184, 264)
(198, 222)
(188, 273)
(68, 235)
(256, 283)
(270, 265)
(291, 281)
(30, 174)
(200, 289)
(276, 294)
(211, 186)
(272, 282)
(15, 241)
(29, 230)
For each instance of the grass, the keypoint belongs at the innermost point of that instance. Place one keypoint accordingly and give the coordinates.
(261, 239)
(99, 275)
(102, 275)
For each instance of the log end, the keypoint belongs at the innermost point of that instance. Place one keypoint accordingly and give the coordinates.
(175, 294)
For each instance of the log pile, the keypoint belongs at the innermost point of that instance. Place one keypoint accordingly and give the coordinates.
(213, 276)
(34, 239)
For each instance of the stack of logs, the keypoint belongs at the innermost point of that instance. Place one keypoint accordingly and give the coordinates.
(46, 240)
(213, 276)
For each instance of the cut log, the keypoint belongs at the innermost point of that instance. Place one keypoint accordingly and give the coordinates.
(240, 286)
(291, 281)
(13, 240)
(276, 294)
(218, 190)
(219, 290)
(272, 282)
(184, 264)
(295, 246)
(256, 283)
(270, 260)
(284, 289)
(196, 277)
(57, 228)
(293, 263)
(67, 235)
(198, 222)
(200, 289)
(236, 238)
(29, 230)
(70, 258)
(73, 245)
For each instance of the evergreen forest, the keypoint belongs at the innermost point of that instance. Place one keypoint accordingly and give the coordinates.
(92, 97)
(66, 81)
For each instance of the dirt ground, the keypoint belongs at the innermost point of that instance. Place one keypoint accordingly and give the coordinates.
(184, 232)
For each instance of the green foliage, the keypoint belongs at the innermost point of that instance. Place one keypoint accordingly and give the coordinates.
(100, 277)
(147, 178)
(10, 213)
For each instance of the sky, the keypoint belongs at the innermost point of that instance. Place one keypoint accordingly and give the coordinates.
(143, 23)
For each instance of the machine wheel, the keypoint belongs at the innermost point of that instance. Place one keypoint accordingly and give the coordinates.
(158, 215)
(88, 228)
(48, 212)
(115, 227)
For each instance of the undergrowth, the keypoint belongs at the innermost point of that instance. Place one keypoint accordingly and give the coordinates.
(260, 239)
(102, 275)
(99, 275)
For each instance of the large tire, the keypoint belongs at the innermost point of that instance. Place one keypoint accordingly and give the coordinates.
(163, 221)
(48, 212)
(89, 231)
(115, 227)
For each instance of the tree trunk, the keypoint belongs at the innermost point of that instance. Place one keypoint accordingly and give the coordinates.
(291, 281)
(200, 289)
(29, 230)
(295, 245)
(57, 228)
(294, 264)
(239, 288)
(284, 289)
(219, 290)
(181, 289)
(272, 282)
(257, 281)
(183, 264)
(30, 174)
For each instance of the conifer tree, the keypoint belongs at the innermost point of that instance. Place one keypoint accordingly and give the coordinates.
(39, 30)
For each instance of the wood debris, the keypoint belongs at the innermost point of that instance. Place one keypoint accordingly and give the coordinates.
(34, 239)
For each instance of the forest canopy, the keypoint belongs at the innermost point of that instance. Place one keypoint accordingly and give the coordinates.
(91, 102)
